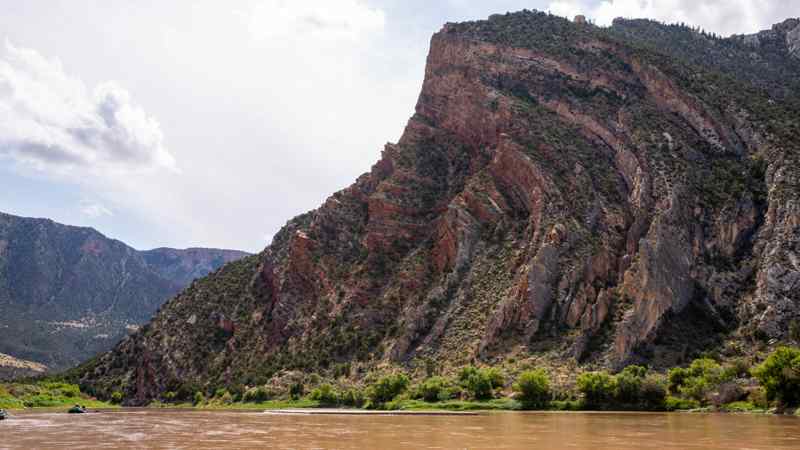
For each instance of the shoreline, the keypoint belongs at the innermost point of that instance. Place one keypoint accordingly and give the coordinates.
(368, 412)
(316, 410)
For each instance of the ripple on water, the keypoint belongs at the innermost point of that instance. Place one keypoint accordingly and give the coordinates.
(207, 430)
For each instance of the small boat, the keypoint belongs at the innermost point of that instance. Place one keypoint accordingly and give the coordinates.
(77, 409)
(3, 414)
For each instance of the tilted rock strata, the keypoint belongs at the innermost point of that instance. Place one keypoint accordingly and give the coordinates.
(561, 191)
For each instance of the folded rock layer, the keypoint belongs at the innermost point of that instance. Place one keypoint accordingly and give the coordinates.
(583, 195)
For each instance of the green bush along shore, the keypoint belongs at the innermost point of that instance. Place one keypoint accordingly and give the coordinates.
(44, 394)
(704, 385)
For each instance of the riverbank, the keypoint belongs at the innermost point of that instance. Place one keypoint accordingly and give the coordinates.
(453, 406)
(46, 395)
(706, 385)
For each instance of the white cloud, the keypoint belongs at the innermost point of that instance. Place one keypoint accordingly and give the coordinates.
(51, 121)
(95, 210)
(317, 19)
(725, 17)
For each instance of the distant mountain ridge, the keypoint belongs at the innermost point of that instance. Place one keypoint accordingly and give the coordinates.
(184, 266)
(69, 292)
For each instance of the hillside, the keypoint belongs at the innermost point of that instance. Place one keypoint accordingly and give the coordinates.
(67, 293)
(563, 195)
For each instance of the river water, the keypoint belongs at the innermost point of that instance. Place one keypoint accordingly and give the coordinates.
(190, 429)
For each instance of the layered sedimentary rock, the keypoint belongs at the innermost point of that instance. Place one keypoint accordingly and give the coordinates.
(564, 192)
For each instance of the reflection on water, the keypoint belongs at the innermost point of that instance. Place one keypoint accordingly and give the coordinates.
(233, 429)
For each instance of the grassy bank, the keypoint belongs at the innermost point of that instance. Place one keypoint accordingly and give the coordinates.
(260, 406)
(704, 385)
(45, 394)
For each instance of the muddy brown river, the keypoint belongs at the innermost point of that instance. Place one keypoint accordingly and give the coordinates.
(189, 429)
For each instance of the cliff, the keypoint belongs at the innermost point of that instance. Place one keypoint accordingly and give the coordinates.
(564, 194)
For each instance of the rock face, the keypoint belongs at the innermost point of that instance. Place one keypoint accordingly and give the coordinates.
(785, 35)
(67, 293)
(563, 191)
(11, 368)
(793, 39)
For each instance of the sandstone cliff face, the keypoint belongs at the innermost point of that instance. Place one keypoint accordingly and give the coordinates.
(561, 191)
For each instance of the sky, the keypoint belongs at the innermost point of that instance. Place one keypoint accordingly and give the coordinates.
(210, 123)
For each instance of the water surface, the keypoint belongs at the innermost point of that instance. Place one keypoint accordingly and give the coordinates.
(190, 429)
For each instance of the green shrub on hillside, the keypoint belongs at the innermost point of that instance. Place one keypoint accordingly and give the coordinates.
(533, 389)
(495, 376)
(632, 388)
(736, 368)
(653, 393)
(256, 395)
(598, 388)
(296, 390)
(58, 389)
(629, 384)
(325, 394)
(480, 383)
(779, 374)
(696, 388)
(387, 388)
(434, 389)
(352, 397)
(707, 368)
(697, 381)
(677, 377)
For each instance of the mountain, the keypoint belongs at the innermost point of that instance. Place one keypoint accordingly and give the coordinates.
(184, 266)
(67, 293)
(564, 194)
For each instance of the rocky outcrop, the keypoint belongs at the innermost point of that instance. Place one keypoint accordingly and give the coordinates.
(11, 368)
(793, 39)
(786, 34)
(562, 192)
